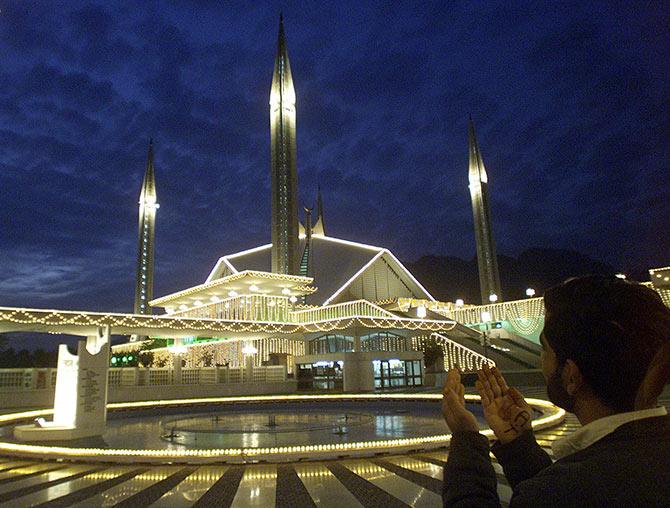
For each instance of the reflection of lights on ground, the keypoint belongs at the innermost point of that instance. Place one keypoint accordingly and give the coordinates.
(551, 416)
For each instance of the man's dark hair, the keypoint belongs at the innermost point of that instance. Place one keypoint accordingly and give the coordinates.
(611, 329)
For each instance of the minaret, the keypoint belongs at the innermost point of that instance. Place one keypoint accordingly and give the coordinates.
(319, 226)
(489, 278)
(284, 173)
(308, 222)
(144, 287)
(306, 258)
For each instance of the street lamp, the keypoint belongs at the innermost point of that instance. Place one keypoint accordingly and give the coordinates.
(460, 302)
(530, 292)
(486, 318)
(493, 298)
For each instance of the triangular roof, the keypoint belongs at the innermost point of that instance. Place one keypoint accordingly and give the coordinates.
(336, 265)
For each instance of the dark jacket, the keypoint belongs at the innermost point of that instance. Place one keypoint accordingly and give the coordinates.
(629, 467)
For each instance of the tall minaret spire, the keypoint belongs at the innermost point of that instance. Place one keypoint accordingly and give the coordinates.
(284, 172)
(489, 277)
(144, 286)
(320, 226)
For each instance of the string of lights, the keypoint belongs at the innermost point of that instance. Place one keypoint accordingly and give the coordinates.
(551, 415)
(135, 323)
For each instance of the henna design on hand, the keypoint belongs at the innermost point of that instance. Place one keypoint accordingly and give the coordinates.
(521, 419)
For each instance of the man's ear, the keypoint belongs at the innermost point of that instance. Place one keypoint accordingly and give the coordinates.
(657, 376)
(572, 377)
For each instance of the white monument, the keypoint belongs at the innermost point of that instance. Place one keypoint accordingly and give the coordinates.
(80, 402)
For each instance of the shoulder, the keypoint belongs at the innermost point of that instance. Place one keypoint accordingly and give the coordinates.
(631, 468)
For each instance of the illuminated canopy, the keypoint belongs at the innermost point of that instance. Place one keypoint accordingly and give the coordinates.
(248, 281)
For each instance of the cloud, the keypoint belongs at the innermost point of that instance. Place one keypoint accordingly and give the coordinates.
(569, 102)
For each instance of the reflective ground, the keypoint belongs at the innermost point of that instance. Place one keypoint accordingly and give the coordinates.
(387, 481)
(285, 424)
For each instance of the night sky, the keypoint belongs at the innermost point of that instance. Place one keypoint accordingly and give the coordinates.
(570, 102)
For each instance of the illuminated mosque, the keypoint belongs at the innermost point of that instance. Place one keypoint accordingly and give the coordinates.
(306, 312)
(339, 315)
(365, 318)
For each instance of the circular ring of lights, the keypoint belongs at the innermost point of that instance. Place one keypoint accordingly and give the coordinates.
(551, 416)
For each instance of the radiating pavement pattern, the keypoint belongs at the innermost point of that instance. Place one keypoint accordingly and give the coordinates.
(386, 481)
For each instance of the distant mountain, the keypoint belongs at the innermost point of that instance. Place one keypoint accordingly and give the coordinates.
(448, 278)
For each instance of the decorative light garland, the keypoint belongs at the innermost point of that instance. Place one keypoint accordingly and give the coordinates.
(457, 354)
(132, 323)
(552, 416)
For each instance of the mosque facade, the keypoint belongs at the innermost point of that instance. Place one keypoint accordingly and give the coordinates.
(364, 317)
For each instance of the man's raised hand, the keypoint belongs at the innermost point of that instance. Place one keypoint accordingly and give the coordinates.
(505, 409)
(458, 418)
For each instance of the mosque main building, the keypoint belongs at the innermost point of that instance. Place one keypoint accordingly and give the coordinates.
(364, 318)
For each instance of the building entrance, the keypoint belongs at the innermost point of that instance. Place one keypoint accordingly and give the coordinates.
(321, 375)
(396, 373)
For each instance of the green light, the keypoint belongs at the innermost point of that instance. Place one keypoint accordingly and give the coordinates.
(113, 359)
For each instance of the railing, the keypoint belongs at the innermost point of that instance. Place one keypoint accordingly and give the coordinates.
(522, 314)
(530, 308)
(525, 316)
(340, 311)
(15, 380)
(162, 376)
(456, 355)
(27, 379)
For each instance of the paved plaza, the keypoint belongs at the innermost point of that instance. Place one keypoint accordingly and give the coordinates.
(386, 480)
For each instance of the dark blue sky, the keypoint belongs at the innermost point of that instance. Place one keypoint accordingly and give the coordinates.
(570, 102)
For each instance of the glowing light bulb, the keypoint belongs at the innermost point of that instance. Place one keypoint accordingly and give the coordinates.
(249, 350)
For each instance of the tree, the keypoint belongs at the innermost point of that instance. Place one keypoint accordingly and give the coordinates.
(146, 358)
(433, 355)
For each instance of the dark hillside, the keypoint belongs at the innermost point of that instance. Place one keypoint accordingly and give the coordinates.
(448, 278)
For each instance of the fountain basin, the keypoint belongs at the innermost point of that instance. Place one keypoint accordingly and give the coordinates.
(380, 424)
